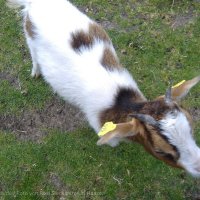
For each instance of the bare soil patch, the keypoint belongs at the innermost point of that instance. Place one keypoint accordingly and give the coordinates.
(10, 78)
(61, 189)
(180, 20)
(192, 194)
(35, 124)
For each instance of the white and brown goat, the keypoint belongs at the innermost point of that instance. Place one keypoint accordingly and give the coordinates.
(76, 57)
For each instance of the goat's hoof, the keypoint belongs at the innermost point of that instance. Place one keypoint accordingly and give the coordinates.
(35, 75)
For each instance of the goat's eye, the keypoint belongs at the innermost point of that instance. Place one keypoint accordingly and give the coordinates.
(167, 156)
(161, 153)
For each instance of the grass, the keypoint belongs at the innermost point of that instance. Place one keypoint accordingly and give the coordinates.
(155, 46)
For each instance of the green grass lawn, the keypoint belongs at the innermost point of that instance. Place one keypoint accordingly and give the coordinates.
(157, 41)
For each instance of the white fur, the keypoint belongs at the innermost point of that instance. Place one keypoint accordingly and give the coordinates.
(78, 78)
(179, 132)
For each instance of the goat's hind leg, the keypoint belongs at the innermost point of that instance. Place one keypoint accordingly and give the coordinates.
(29, 33)
(35, 73)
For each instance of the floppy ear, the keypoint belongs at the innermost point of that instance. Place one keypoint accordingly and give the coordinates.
(121, 131)
(180, 91)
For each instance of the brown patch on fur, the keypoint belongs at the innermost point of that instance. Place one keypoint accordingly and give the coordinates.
(123, 106)
(80, 39)
(97, 32)
(157, 109)
(86, 39)
(29, 27)
(109, 59)
(114, 115)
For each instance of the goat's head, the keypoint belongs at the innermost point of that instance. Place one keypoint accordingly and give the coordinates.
(164, 129)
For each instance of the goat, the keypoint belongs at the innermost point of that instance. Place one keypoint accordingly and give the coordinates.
(77, 58)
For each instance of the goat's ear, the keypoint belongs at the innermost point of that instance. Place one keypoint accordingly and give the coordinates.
(179, 91)
(120, 132)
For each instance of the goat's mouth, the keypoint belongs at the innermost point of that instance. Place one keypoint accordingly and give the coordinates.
(193, 170)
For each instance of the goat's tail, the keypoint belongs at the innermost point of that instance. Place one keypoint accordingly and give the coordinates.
(18, 3)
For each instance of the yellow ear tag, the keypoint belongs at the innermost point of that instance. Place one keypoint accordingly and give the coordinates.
(107, 127)
(178, 84)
